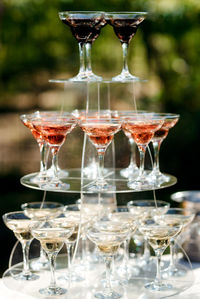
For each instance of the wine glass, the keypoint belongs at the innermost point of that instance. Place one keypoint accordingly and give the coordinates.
(68, 220)
(170, 120)
(100, 132)
(159, 237)
(54, 130)
(52, 239)
(85, 27)
(132, 169)
(173, 217)
(108, 235)
(21, 225)
(27, 120)
(142, 128)
(143, 210)
(42, 211)
(125, 25)
(123, 215)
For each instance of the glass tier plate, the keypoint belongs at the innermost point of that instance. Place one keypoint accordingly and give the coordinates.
(93, 283)
(74, 183)
(104, 81)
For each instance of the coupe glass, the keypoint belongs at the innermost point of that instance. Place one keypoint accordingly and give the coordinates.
(132, 169)
(54, 130)
(125, 25)
(159, 237)
(52, 240)
(143, 210)
(21, 225)
(142, 128)
(170, 120)
(27, 120)
(42, 211)
(100, 132)
(108, 235)
(181, 217)
(85, 27)
(123, 215)
(67, 221)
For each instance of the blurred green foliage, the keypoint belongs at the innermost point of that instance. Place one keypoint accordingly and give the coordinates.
(166, 51)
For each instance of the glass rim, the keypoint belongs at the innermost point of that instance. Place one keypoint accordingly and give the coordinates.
(126, 12)
(166, 114)
(131, 203)
(87, 12)
(60, 205)
(17, 213)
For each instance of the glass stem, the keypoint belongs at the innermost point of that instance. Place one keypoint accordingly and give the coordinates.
(132, 148)
(172, 254)
(125, 57)
(101, 167)
(142, 150)
(43, 156)
(108, 262)
(156, 148)
(146, 250)
(88, 66)
(25, 250)
(81, 54)
(54, 151)
(158, 273)
(52, 260)
(68, 245)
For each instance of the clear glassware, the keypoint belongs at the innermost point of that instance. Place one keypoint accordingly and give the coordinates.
(125, 25)
(142, 128)
(108, 235)
(85, 27)
(142, 210)
(21, 226)
(170, 121)
(132, 169)
(54, 129)
(159, 237)
(123, 215)
(175, 216)
(52, 240)
(42, 211)
(27, 120)
(68, 220)
(100, 132)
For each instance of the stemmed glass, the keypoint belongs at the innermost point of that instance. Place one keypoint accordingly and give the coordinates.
(27, 120)
(100, 132)
(159, 237)
(52, 240)
(42, 211)
(143, 210)
(123, 215)
(125, 25)
(85, 27)
(108, 235)
(142, 128)
(175, 216)
(21, 225)
(170, 120)
(54, 130)
(69, 220)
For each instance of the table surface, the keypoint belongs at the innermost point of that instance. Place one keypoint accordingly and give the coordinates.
(84, 290)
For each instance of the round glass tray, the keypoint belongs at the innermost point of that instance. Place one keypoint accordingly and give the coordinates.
(100, 81)
(134, 289)
(72, 182)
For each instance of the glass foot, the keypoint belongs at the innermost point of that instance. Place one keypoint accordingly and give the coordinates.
(158, 177)
(55, 184)
(111, 295)
(125, 76)
(140, 184)
(174, 272)
(158, 286)
(129, 172)
(40, 264)
(101, 187)
(74, 277)
(26, 277)
(61, 173)
(52, 291)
